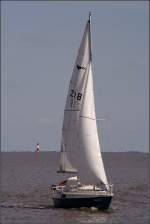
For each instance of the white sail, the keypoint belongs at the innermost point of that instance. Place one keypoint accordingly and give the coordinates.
(89, 141)
(64, 163)
(79, 133)
(74, 103)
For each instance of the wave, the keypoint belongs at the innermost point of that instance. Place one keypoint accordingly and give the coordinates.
(25, 206)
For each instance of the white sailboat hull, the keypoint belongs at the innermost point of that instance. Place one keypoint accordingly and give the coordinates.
(78, 199)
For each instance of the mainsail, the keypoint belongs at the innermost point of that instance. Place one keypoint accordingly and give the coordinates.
(79, 132)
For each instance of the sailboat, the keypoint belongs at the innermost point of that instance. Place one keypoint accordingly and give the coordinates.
(80, 154)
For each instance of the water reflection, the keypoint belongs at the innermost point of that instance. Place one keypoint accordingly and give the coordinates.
(85, 215)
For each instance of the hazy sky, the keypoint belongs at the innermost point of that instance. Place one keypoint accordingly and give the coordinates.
(39, 45)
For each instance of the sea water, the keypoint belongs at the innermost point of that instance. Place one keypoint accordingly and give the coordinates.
(27, 176)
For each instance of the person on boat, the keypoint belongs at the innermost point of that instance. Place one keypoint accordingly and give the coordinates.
(53, 187)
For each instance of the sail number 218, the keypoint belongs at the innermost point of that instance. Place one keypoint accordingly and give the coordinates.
(74, 94)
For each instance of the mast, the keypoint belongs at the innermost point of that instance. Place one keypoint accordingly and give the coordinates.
(90, 48)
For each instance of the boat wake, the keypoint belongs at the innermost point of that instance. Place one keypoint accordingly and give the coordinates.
(25, 206)
(45, 206)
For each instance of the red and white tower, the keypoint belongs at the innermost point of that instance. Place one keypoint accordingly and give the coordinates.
(37, 147)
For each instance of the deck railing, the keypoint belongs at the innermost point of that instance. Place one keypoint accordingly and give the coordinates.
(60, 189)
(57, 188)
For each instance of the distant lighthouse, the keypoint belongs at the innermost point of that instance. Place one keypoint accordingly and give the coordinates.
(37, 147)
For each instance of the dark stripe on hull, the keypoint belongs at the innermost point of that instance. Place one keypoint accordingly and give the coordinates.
(99, 202)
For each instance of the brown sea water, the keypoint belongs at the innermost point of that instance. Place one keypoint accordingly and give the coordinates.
(26, 177)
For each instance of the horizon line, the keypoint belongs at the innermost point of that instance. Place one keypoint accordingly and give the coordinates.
(125, 151)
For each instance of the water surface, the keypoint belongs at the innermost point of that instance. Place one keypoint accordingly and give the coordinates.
(26, 177)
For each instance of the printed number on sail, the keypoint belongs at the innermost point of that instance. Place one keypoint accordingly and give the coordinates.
(74, 94)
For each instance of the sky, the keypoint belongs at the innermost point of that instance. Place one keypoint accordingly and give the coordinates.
(39, 43)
